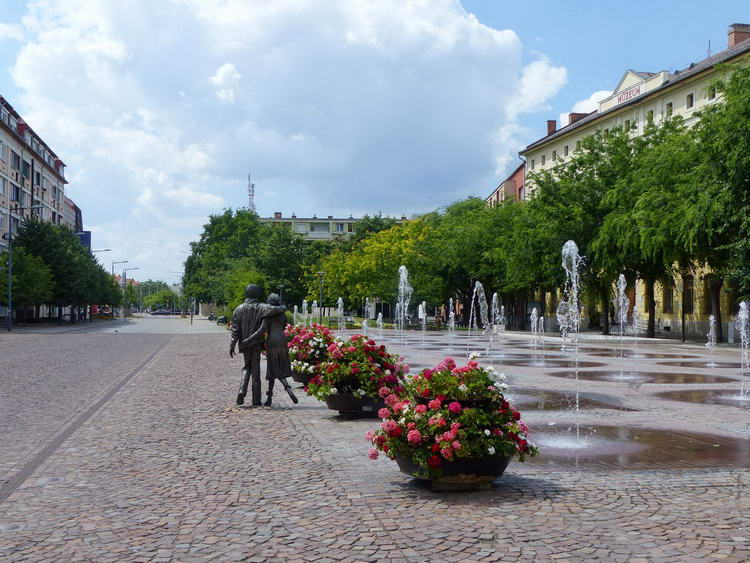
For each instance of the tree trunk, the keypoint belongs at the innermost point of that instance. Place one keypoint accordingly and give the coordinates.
(715, 287)
(651, 306)
(543, 312)
(604, 295)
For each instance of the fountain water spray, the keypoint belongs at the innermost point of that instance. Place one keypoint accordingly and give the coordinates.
(405, 291)
(711, 340)
(743, 327)
(295, 315)
(540, 332)
(379, 324)
(571, 263)
(366, 318)
(635, 326)
(451, 324)
(340, 314)
(477, 297)
(534, 326)
(312, 312)
(304, 313)
(423, 318)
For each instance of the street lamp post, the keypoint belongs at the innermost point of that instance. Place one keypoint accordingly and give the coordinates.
(320, 302)
(117, 262)
(8, 237)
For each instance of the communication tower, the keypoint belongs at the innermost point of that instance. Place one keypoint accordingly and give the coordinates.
(251, 193)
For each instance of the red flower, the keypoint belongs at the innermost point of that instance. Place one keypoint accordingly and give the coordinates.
(426, 393)
(434, 461)
(516, 415)
(435, 448)
(455, 407)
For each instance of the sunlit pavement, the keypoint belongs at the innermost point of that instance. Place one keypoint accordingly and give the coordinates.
(121, 442)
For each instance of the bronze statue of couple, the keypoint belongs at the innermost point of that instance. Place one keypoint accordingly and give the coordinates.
(256, 325)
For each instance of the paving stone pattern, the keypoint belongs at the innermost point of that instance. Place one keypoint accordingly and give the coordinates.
(170, 470)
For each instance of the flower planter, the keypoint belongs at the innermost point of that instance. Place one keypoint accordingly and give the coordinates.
(465, 403)
(302, 378)
(461, 474)
(348, 404)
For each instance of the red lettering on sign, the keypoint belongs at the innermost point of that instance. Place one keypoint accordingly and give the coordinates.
(629, 94)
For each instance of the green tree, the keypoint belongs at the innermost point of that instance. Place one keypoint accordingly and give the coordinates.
(162, 299)
(32, 280)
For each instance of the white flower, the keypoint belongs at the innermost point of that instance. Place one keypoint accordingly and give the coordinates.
(502, 377)
(334, 390)
(491, 450)
(388, 372)
(473, 355)
(503, 386)
(463, 387)
(486, 432)
(402, 420)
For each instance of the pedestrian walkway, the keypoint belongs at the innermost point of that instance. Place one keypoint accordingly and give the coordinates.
(168, 468)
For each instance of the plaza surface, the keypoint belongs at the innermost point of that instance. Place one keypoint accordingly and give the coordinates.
(121, 442)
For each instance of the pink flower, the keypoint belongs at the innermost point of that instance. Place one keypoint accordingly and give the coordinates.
(421, 408)
(447, 453)
(389, 426)
(351, 349)
(391, 400)
(455, 408)
(405, 368)
(384, 391)
(373, 453)
(456, 445)
(369, 435)
(523, 427)
(414, 437)
(435, 404)
(497, 432)
(455, 426)
(384, 413)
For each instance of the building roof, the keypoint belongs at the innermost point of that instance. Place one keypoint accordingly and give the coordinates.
(672, 79)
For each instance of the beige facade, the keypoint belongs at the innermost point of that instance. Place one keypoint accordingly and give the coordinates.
(315, 228)
(31, 174)
(638, 98)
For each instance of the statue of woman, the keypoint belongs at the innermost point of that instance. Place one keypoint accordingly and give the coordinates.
(277, 353)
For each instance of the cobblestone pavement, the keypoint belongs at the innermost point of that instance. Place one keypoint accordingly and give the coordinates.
(167, 468)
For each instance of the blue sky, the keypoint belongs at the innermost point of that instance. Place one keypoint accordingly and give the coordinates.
(340, 107)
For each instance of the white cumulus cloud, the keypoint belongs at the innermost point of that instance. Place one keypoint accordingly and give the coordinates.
(585, 106)
(336, 106)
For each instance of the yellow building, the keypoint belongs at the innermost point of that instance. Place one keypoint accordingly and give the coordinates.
(638, 98)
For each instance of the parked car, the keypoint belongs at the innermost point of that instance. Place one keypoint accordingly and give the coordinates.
(161, 312)
(222, 320)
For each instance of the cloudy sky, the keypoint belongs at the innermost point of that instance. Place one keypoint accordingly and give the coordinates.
(161, 107)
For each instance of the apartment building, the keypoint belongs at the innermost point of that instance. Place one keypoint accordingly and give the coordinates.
(512, 188)
(315, 228)
(639, 97)
(31, 175)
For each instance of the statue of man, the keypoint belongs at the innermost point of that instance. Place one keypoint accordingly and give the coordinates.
(246, 320)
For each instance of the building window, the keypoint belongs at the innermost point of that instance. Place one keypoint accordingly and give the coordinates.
(13, 225)
(689, 101)
(532, 164)
(606, 132)
(669, 109)
(650, 115)
(25, 169)
(37, 178)
(578, 144)
(339, 227)
(15, 162)
(544, 158)
(554, 156)
(565, 150)
(711, 93)
(15, 193)
(627, 125)
(3, 153)
(2, 186)
(320, 228)
(688, 294)
(667, 299)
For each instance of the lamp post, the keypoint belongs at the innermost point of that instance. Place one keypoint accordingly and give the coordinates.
(320, 302)
(8, 237)
(117, 262)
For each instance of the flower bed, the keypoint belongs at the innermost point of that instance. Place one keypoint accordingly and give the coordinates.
(308, 347)
(358, 367)
(449, 414)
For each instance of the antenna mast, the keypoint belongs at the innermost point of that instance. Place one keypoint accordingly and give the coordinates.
(251, 193)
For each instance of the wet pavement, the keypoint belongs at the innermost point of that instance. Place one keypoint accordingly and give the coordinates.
(643, 377)
(730, 397)
(144, 457)
(596, 447)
